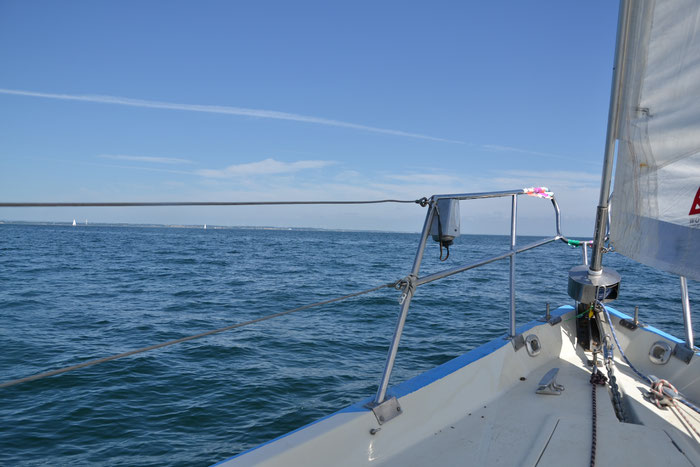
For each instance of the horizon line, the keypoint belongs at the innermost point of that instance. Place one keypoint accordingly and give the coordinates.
(248, 227)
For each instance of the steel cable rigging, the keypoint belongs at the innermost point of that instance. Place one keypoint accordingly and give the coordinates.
(78, 366)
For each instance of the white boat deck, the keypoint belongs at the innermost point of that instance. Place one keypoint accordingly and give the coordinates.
(478, 410)
(524, 428)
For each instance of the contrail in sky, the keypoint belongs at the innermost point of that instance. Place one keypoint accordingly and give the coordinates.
(219, 109)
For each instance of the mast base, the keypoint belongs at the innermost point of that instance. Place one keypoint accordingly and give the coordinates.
(587, 288)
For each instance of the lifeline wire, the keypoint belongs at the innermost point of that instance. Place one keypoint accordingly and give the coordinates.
(201, 203)
(188, 338)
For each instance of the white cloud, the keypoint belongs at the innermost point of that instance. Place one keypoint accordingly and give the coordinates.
(219, 109)
(556, 179)
(536, 216)
(348, 174)
(499, 148)
(264, 167)
(306, 180)
(438, 179)
(147, 169)
(158, 160)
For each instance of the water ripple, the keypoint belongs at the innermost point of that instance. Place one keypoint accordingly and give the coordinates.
(70, 295)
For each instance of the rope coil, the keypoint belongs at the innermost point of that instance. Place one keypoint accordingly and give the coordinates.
(663, 393)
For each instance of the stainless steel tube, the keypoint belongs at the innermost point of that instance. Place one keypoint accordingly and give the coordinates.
(611, 136)
(483, 195)
(557, 216)
(513, 221)
(391, 357)
(394, 347)
(450, 272)
(687, 322)
(415, 269)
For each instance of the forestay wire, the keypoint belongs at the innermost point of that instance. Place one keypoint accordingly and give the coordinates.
(188, 338)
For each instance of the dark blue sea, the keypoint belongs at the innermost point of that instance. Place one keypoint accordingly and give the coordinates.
(71, 294)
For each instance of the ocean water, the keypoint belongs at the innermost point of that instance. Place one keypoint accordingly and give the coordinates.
(71, 294)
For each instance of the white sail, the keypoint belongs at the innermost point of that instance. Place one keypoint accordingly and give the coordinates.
(656, 201)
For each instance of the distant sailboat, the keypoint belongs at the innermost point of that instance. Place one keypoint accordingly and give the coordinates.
(205, 226)
(74, 224)
(85, 221)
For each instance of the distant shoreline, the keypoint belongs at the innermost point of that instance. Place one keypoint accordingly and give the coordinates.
(195, 226)
(237, 227)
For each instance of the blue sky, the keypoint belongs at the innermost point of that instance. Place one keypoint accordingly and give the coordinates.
(155, 101)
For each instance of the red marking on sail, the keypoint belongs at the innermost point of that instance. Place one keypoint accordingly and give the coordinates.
(695, 208)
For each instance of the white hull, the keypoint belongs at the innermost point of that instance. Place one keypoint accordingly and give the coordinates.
(476, 410)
